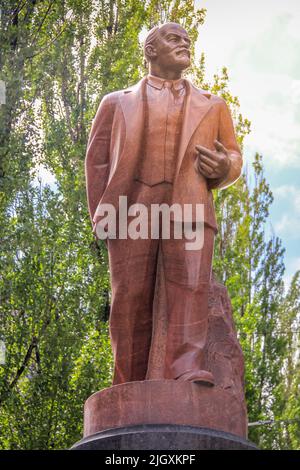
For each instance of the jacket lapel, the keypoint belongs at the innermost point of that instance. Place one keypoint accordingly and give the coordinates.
(131, 102)
(197, 106)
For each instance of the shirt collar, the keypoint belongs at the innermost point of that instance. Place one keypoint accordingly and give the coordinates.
(158, 82)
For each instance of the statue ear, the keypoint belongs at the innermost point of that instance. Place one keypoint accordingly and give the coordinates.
(150, 51)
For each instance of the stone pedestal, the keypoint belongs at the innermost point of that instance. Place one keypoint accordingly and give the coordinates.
(168, 414)
(164, 414)
(163, 437)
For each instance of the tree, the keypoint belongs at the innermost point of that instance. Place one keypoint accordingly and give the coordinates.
(56, 60)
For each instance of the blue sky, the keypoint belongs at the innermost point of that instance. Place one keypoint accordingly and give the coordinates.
(259, 43)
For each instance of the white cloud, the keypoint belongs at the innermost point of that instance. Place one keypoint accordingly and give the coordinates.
(287, 196)
(291, 195)
(288, 226)
(295, 91)
(295, 264)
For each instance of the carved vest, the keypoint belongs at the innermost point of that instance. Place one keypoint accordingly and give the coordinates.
(163, 115)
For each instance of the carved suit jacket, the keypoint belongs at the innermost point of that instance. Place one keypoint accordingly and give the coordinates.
(114, 149)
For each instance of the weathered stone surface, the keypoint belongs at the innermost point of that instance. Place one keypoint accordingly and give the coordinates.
(163, 437)
(164, 402)
(223, 354)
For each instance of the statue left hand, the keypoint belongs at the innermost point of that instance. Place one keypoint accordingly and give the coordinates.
(212, 164)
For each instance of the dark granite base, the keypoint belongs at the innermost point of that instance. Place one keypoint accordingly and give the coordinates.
(163, 437)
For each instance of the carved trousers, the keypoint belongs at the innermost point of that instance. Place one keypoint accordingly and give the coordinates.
(133, 268)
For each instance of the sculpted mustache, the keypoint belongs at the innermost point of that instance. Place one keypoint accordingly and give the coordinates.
(183, 50)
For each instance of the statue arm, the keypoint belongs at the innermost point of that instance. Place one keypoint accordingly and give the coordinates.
(97, 155)
(227, 137)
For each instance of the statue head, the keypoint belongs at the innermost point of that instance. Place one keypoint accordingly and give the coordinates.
(168, 47)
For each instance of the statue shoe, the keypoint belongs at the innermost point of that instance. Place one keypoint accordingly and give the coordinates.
(201, 377)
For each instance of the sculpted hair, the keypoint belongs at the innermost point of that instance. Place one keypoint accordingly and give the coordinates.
(153, 35)
(150, 39)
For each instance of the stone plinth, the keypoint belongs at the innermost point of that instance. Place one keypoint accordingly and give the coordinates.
(164, 402)
(163, 412)
(168, 414)
(163, 437)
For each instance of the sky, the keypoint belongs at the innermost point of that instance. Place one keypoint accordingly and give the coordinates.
(259, 42)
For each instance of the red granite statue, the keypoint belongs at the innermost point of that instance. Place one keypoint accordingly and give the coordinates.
(162, 141)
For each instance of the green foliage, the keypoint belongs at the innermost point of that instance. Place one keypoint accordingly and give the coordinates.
(58, 59)
(51, 304)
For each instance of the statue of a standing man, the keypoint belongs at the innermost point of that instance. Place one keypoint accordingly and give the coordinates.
(162, 141)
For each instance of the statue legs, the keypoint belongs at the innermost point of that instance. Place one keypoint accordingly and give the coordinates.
(187, 277)
(133, 269)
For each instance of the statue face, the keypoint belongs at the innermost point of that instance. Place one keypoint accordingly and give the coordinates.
(172, 47)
